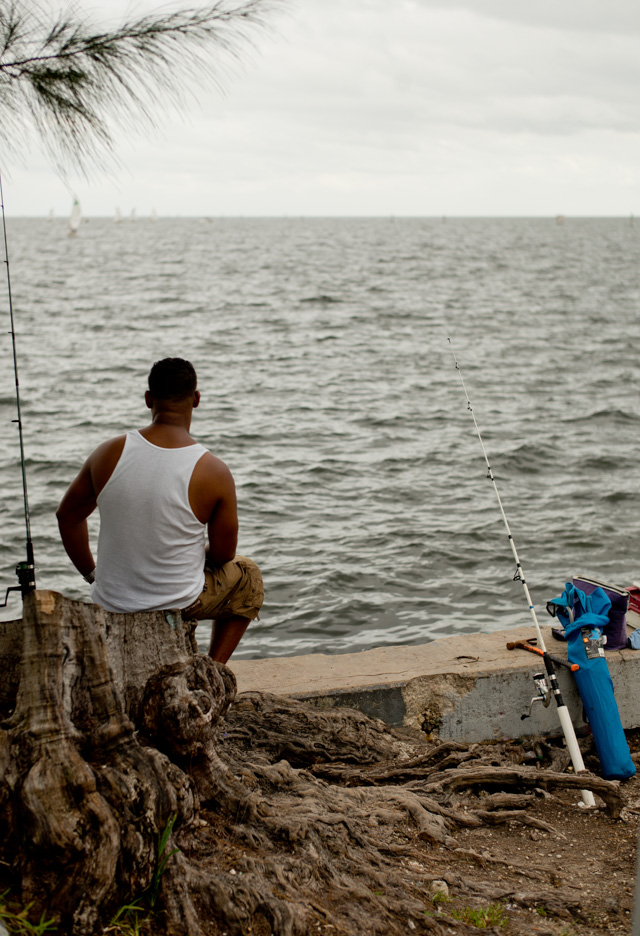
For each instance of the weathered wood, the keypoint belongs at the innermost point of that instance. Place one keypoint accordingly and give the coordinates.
(82, 798)
(526, 778)
(507, 800)
(10, 654)
(500, 817)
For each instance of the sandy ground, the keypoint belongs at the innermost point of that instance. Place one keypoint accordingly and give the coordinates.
(576, 881)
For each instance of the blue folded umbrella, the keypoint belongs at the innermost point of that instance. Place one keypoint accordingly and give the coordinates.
(584, 618)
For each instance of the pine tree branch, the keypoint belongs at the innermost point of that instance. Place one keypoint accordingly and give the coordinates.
(76, 84)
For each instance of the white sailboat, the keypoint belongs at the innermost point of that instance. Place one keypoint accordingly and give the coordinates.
(75, 219)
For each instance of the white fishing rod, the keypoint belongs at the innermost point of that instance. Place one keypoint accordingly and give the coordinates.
(563, 711)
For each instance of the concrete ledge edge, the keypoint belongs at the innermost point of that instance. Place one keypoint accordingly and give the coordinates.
(465, 687)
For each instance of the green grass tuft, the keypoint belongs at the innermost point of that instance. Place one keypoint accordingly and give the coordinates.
(483, 918)
(17, 922)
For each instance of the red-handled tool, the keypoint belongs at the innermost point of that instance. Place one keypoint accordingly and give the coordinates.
(525, 645)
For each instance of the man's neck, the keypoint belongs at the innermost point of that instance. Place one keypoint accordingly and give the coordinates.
(168, 430)
(170, 421)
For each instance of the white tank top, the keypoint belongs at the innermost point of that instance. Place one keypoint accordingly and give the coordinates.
(151, 546)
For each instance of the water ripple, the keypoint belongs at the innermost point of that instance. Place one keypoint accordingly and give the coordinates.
(329, 388)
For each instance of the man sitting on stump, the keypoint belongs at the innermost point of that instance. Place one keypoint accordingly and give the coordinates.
(157, 491)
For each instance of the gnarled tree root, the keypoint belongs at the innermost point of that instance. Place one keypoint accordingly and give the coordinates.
(290, 820)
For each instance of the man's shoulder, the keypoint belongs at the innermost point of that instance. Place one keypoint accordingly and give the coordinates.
(108, 449)
(211, 484)
(212, 466)
(103, 460)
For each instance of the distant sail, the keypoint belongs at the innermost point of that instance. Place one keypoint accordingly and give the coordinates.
(118, 217)
(75, 219)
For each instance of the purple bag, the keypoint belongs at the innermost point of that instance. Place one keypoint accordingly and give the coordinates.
(616, 629)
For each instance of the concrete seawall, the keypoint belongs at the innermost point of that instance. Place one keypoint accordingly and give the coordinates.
(468, 688)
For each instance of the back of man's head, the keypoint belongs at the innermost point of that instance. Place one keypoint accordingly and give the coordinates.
(172, 379)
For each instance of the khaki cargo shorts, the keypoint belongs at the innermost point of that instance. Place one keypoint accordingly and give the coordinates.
(234, 589)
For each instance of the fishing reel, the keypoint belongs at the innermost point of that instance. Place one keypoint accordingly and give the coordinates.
(544, 694)
(26, 572)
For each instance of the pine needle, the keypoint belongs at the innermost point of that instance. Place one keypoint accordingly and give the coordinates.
(76, 84)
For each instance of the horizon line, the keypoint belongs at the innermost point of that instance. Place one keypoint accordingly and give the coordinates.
(320, 217)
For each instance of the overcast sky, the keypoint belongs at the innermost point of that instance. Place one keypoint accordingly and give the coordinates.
(388, 107)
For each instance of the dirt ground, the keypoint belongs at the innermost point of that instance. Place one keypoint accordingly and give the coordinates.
(576, 881)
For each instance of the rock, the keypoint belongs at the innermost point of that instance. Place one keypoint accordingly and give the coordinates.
(439, 887)
(611, 905)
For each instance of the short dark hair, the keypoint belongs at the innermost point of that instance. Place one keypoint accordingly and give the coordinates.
(172, 379)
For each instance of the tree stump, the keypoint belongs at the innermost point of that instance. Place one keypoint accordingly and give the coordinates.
(82, 795)
(287, 818)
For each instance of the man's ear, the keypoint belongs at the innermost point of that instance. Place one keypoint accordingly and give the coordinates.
(196, 399)
(148, 399)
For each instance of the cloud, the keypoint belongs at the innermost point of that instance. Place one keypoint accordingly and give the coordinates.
(383, 71)
(614, 17)
(420, 106)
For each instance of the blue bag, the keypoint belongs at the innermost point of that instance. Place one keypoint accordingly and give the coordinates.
(584, 618)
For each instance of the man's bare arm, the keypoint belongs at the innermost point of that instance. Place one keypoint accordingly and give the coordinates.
(223, 529)
(212, 494)
(76, 505)
(80, 501)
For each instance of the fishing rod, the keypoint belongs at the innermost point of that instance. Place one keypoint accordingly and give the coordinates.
(24, 570)
(563, 711)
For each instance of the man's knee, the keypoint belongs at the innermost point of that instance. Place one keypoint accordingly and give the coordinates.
(234, 590)
(251, 587)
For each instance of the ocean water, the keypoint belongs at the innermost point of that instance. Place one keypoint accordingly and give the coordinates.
(329, 388)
